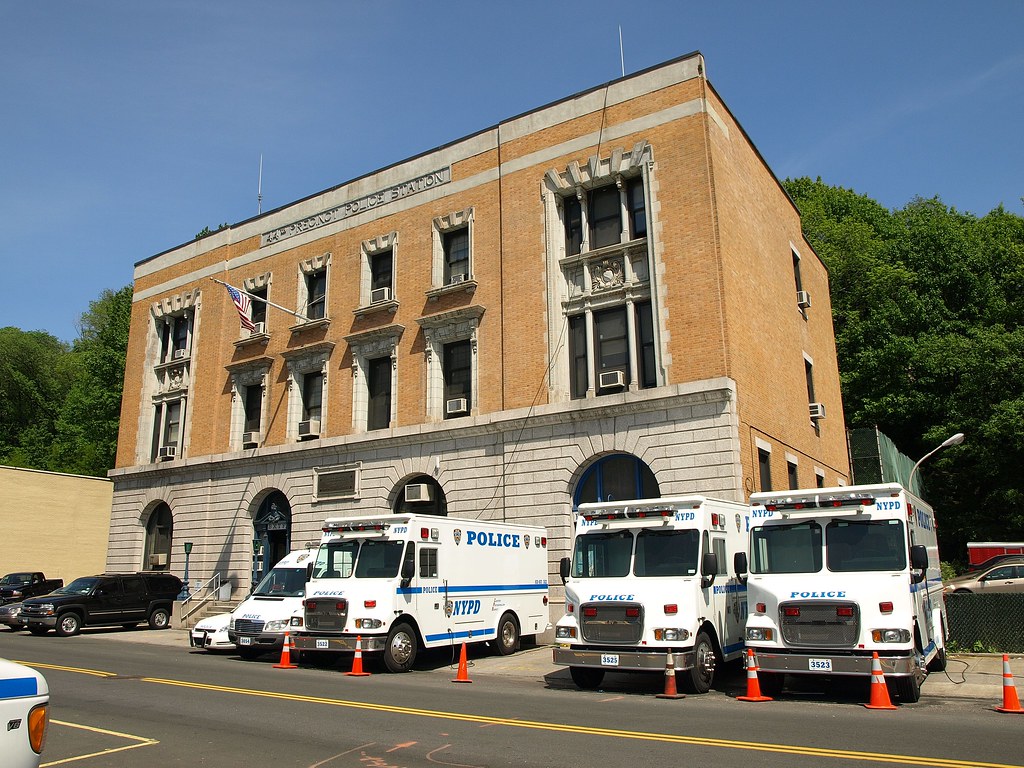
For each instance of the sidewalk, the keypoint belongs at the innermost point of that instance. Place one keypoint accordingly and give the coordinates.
(967, 676)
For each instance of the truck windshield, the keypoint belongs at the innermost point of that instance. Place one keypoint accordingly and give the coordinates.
(794, 548)
(369, 559)
(869, 545)
(15, 578)
(81, 586)
(283, 582)
(602, 555)
(666, 553)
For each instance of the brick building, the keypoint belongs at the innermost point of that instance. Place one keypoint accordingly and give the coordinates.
(606, 297)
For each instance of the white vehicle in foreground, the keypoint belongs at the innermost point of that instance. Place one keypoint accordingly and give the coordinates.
(25, 711)
(212, 633)
(402, 582)
(258, 625)
(650, 577)
(837, 574)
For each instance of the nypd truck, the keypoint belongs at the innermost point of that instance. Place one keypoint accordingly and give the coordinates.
(25, 711)
(257, 626)
(837, 574)
(399, 583)
(650, 578)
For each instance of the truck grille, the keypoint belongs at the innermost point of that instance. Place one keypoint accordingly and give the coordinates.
(248, 626)
(819, 624)
(609, 622)
(326, 615)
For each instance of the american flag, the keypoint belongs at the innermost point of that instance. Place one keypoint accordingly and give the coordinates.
(242, 304)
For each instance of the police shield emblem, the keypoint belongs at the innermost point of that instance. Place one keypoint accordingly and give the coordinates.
(458, 535)
(526, 541)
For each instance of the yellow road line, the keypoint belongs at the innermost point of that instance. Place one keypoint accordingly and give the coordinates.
(143, 741)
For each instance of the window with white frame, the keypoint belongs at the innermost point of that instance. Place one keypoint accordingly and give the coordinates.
(374, 377)
(458, 378)
(248, 402)
(453, 249)
(170, 349)
(378, 273)
(312, 299)
(451, 360)
(611, 350)
(307, 390)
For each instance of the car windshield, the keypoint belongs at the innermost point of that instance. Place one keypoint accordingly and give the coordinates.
(283, 582)
(15, 578)
(81, 586)
(367, 559)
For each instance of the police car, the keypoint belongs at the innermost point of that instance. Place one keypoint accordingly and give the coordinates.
(24, 707)
(212, 633)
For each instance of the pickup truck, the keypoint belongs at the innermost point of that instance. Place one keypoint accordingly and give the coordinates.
(25, 708)
(15, 587)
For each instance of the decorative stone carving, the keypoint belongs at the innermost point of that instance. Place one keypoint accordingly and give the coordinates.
(606, 273)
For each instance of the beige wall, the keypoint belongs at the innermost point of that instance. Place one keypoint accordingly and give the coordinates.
(53, 523)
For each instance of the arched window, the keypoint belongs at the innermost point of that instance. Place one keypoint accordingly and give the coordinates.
(616, 477)
(159, 532)
(421, 495)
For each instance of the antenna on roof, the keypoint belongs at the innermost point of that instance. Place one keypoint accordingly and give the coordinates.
(622, 57)
(259, 189)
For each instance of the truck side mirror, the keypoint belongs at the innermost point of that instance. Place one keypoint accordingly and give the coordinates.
(563, 568)
(708, 569)
(739, 564)
(918, 562)
(309, 572)
(408, 570)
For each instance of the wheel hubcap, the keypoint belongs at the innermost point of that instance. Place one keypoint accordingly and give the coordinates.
(401, 648)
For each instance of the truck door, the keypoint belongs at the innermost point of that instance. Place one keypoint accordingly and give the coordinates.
(136, 598)
(107, 600)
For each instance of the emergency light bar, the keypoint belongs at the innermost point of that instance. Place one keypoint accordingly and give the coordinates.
(627, 514)
(817, 502)
(334, 526)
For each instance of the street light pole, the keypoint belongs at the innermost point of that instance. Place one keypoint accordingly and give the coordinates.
(954, 440)
(184, 594)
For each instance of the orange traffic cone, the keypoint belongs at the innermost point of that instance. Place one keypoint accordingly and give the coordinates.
(879, 690)
(1010, 701)
(753, 685)
(286, 654)
(463, 674)
(670, 680)
(357, 662)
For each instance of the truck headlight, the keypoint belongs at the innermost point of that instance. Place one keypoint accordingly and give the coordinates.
(671, 634)
(231, 624)
(759, 633)
(565, 633)
(46, 608)
(278, 625)
(890, 635)
(296, 621)
(368, 623)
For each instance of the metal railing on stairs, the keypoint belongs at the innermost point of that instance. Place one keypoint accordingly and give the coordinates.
(202, 595)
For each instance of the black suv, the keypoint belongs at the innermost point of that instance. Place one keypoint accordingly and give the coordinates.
(110, 598)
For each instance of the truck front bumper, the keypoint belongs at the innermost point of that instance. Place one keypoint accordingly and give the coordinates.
(50, 622)
(804, 663)
(345, 643)
(654, 659)
(265, 641)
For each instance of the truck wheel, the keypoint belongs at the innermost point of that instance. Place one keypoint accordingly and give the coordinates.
(586, 678)
(770, 683)
(698, 678)
(508, 635)
(38, 630)
(906, 689)
(68, 624)
(249, 653)
(938, 662)
(160, 619)
(400, 651)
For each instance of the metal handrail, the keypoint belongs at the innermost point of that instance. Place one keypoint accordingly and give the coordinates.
(215, 581)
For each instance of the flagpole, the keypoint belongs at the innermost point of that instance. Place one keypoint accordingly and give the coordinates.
(268, 303)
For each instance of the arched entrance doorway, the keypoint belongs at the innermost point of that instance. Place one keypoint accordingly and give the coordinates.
(421, 495)
(159, 535)
(616, 477)
(272, 533)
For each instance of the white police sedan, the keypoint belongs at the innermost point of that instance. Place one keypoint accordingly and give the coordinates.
(25, 708)
(212, 634)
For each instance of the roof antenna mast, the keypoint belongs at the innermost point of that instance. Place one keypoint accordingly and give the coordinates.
(259, 189)
(622, 57)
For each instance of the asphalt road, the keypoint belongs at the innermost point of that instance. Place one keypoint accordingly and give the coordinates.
(145, 698)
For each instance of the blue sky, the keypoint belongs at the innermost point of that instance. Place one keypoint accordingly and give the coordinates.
(128, 127)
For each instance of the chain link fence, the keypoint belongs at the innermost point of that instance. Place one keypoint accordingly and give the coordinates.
(985, 623)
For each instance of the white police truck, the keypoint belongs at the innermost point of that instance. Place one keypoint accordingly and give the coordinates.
(837, 574)
(24, 709)
(648, 578)
(399, 583)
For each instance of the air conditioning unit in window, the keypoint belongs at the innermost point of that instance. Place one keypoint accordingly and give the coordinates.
(310, 428)
(611, 379)
(167, 452)
(803, 299)
(157, 560)
(418, 492)
(260, 329)
(378, 295)
(455, 279)
(817, 410)
(178, 354)
(456, 405)
(251, 439)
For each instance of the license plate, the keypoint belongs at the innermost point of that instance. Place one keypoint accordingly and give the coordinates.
(819, 665)
(245, 641)
(609, 659)
(323, 645)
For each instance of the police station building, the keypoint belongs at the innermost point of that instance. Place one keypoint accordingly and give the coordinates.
(608, 297)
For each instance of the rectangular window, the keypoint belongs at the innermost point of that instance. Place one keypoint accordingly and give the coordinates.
(172, 423)
(456, 255)
(316, 295)
(381, 269)
(764, 466)
(792, 475)
(573, 213)
(428, 563)
(819, 480)
(809, 375)
(637, 208)
(796, 272)
(378, 382)
(604, 216)
(645, 345)
(457, 377)
(258, 309)
(158, 421)
(611, 344)
(253, 408)
(312, 396)
(180, 336)
(578, 356)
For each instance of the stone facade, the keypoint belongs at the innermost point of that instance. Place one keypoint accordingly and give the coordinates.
(605, 295)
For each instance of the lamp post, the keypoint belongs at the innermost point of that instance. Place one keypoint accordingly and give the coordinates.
(184, 594)
(954, 440)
